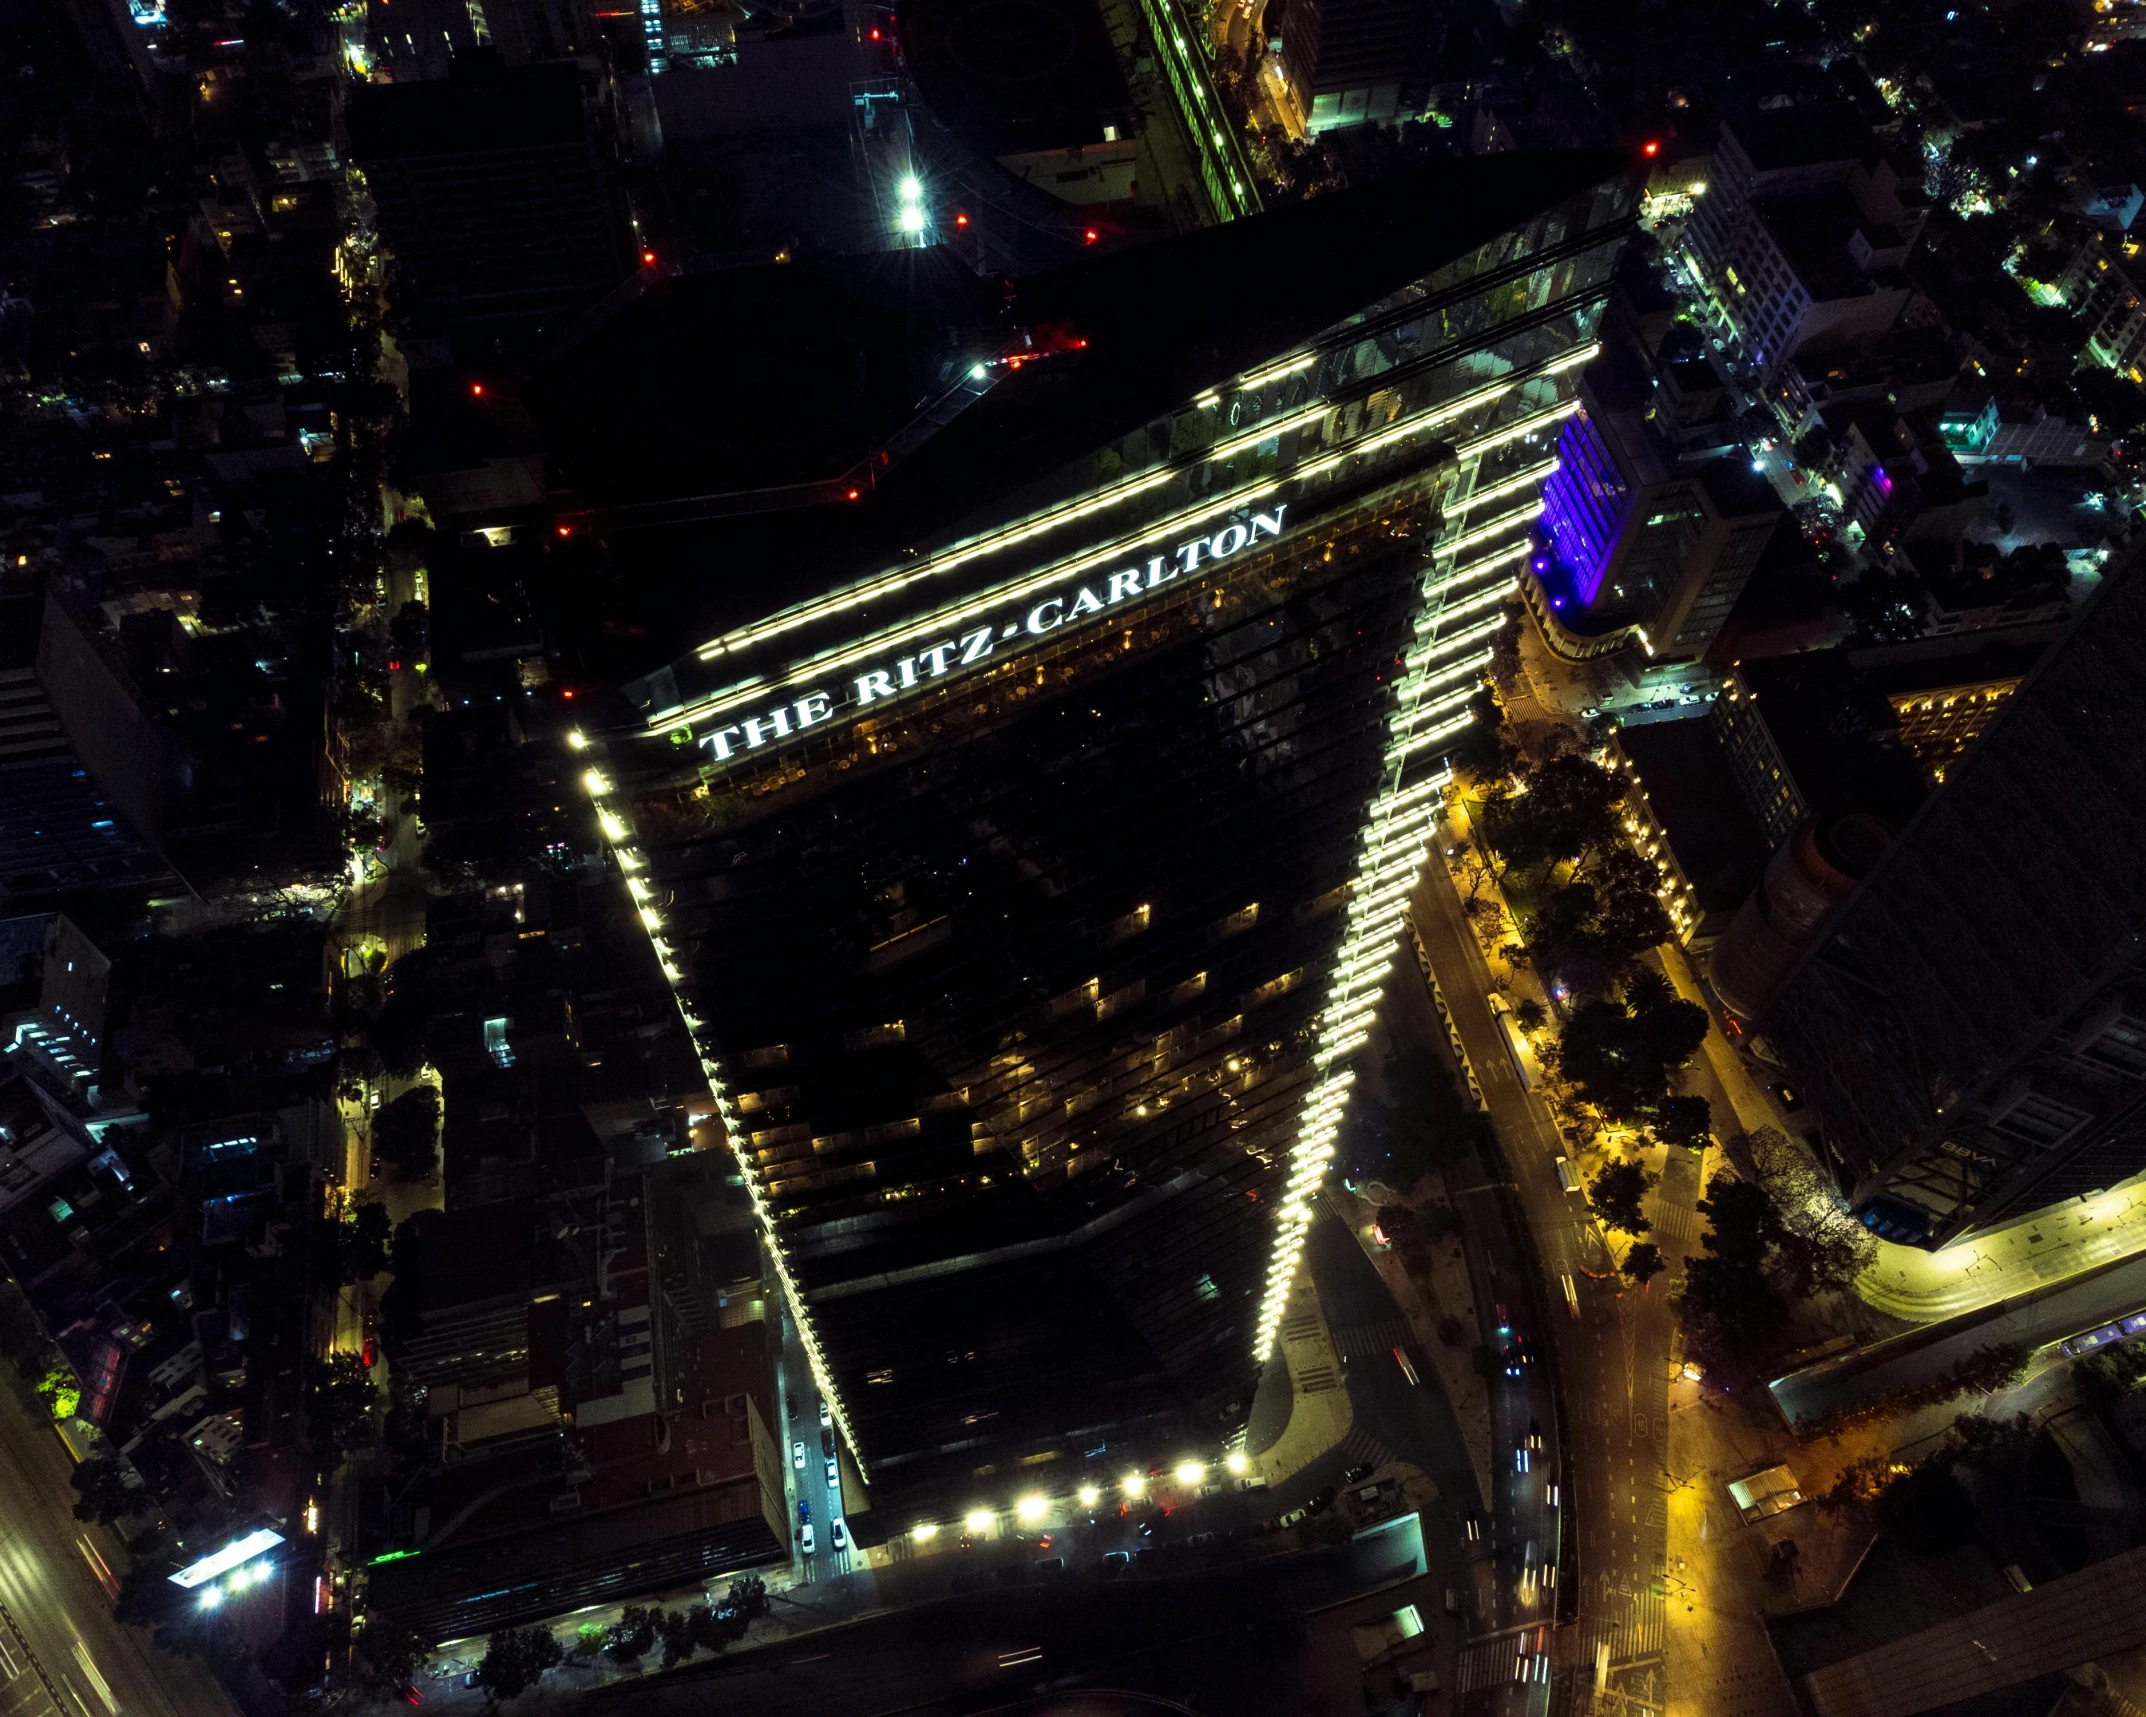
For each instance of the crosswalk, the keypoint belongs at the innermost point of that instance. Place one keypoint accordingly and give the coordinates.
(1634, 1626)
(1365, 1450)
(1318, 1380)
(1359, 1341)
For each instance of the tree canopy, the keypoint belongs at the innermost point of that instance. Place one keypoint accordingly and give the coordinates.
(514, 1658)
(1643, 1263)
(1620, 1057)
(1618, 1194)
(1567, 806)
(406, 1132)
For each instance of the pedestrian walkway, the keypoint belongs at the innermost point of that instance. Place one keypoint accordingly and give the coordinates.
(1319, 1412)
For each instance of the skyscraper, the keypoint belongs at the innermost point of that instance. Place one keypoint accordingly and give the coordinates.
(1028, 863)
(1971, 1029)
(1640, 548)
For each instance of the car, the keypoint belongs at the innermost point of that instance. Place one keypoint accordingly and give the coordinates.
(837, 1534)
(1473, 1525)
(827, 1442)
(470, 1680)
(1535, 1433)
(1322, 1502)
(1358, 1473)
(797, 1456)
(1522, 1460)
(1294, 1517)
(1116, 1561)
(826, 1418)
(1050, 1567)
(804, 1512)
(834, 1475)
(1198, 1540)
(805, 1543)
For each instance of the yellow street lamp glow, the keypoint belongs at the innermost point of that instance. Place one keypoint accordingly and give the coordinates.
(1090, 1496)
(579, 741)
(1237, 1463)
(1031, 1509)
(614, 829)
(1190, 1472)
(924, 1531)
(1135, 1484)
(596, 784)
(977, 1520)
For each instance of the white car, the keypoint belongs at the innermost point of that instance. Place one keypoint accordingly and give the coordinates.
(797, 1456)
(826, 1418)
(834, 1475)
(806, 1543)
(838, 1535)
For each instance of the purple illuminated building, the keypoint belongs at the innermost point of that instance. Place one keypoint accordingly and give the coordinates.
(1584, 507)
(1637, 549)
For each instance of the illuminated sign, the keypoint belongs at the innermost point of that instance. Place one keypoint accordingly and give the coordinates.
(229, 1557)
(1070, 606)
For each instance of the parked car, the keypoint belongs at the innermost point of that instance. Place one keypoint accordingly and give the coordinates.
(838, 1534)
(834, 1474)
(797, 1456)
(826, 1418)
(1116, 1561)
(1356, 1474)
(806, 1544)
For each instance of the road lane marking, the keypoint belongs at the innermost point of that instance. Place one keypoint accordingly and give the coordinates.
(103, 1687)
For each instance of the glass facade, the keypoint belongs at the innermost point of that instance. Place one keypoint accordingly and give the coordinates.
(1029, 900)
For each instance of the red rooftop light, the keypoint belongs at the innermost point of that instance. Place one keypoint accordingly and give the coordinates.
(1090, 236)
(476, 390)
(648, 259)
(566, 530)
(1650, 148)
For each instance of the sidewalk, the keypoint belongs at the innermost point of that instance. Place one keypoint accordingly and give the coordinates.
(1448, 1293)
(1319, 1413)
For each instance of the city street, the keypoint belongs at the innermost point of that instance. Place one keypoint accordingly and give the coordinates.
(61, 1653)
(1613, 1355)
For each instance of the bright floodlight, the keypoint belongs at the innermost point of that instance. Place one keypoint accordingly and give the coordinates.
(1031, 1509)
(924, 1531)
(211, 1598)
(1190, 1472)
(977, 1520)
(912, 188)
(1237, 1463)
(912, 219)
(1135, 1484)
(1089, 1496)
(232, 1555)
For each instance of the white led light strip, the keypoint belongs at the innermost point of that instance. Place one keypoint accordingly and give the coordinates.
(1397, 833)
(1050, 519)
(631, 860)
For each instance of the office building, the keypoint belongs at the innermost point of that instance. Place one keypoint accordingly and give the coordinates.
(1803, 233)
(1639, 550)
(1970, 1032)
(1345, 62)
(489, 188)
(1028, 840)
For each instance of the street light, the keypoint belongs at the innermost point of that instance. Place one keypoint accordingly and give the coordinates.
(1031, 1509)
(1090, 1496)
(1135, 1485)
(924, 1531)
(912, 188)
(912, 219)
(977, 1520)
(1237, 1463)
(1190, 1472)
